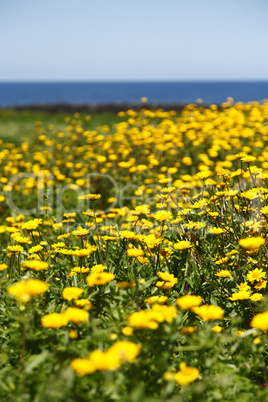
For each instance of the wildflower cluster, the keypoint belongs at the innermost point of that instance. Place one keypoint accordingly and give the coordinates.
(133, 254)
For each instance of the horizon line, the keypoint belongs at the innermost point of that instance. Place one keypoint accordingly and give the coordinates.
(129, 81)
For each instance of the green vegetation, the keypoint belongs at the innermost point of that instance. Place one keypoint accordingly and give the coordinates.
(133, 259)
(14, 125)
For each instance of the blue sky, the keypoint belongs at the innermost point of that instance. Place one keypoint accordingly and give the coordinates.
(122, 40)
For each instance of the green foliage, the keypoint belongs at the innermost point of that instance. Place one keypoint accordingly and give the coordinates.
(106, 223)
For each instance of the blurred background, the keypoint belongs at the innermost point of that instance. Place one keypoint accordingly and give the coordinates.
(83, 51)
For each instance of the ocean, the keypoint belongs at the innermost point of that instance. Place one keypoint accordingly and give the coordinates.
(180, 92)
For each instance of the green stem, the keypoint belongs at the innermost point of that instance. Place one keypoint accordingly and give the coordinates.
(19, 264)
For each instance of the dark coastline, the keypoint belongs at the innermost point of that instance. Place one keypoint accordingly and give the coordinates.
(97, 108)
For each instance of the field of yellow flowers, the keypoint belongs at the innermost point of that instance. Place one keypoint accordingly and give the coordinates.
(133, 261)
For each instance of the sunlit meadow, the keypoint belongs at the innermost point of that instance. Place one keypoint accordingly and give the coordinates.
(134, 258)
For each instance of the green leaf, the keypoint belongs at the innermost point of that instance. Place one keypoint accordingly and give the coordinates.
(35, 360)
(4, 358)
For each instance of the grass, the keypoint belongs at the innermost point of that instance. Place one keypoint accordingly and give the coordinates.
(14, 125)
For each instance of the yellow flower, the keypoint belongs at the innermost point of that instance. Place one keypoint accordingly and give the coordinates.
(35, 249)
(156, 299)
(21, 239)
(127, 234)
(261, 285)
(260, 321)
(252, 243)
(125, 351)
(188, 330)
(143, 319)
(127, 331)
(239, 333)
(32, 225)
(71, 293)
(187, 160)
(54, 320)
(164, 313)
(10, 230)
(143, 209)
(151, 317)
(82, 367)
(73, 334)
(63, 236)
(84, 252)
(186, 375)
(97, 279)
(90, 197)
(83, 303)
(232, 252)
(98, 268)
(169, 376)
(243, 287)
(15, 249)
(80, 232)
(255, 275)
(151, 240)
(76, 315)
(165, 285)
(36, 265)
(80, 270)
(113, 336)
(221, 261)
(265, 210)
(241, 295)
(217, 329)
(182, 245)
(163, 216)
(256, 297)
(168, 190)
(58, 245)
(216, 231)
(204, 174)
(188, 301)
(24, 290)
(209, 312)
(167, 277)
(135, 252)
(63, 251)
(223, 274)
(165, 252)
(248, 158)
(103, 360)
(3, 267)
(168, 280)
